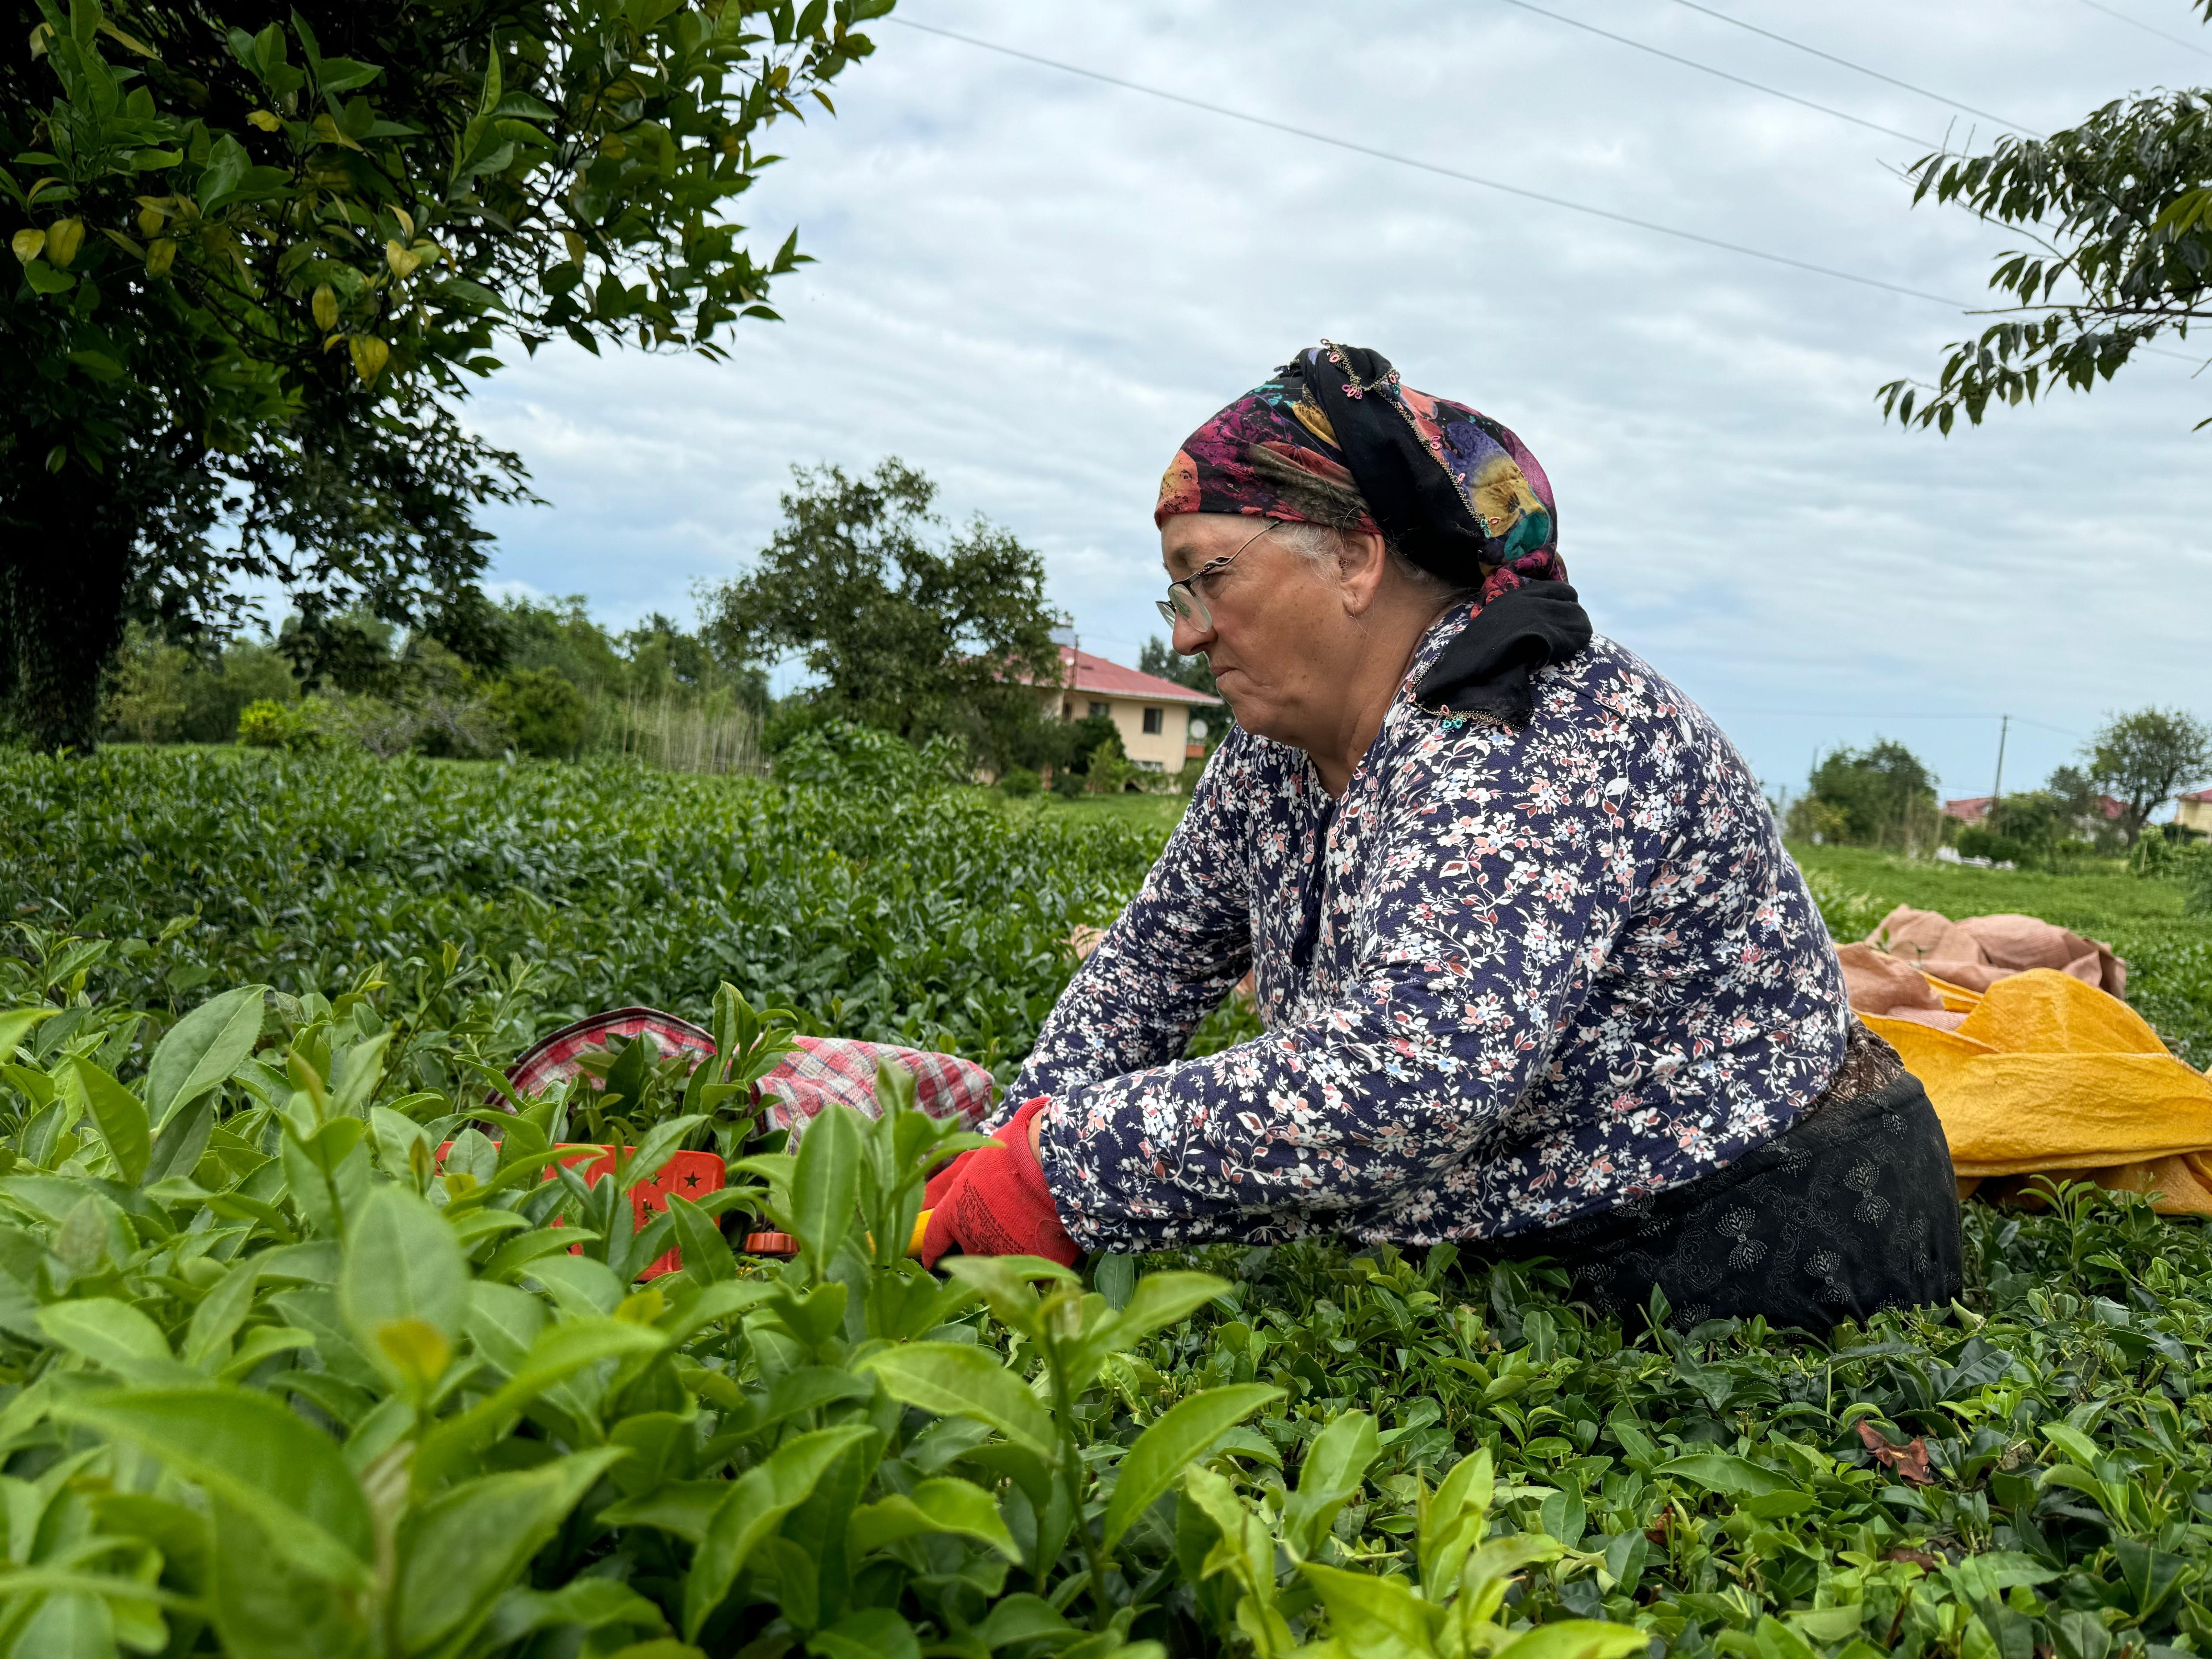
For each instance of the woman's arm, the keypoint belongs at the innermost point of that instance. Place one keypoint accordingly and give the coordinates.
(1511, 868)
(1166, 963)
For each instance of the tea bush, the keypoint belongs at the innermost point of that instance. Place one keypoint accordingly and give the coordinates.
(873, 908)
(276, 1378)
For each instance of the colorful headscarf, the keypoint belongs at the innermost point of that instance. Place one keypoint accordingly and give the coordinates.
(1450, 487)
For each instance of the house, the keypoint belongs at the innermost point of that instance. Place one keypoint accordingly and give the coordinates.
(1972, 810)
(2194, 811)
(1161, 724)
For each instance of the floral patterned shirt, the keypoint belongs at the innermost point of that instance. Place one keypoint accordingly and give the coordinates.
(1509, 978)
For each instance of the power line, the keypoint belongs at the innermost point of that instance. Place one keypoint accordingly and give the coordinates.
(1430, 167)
(2132, 23)
(1861, 69)
(1849, 714)
(1380, 154)
(1707, 69)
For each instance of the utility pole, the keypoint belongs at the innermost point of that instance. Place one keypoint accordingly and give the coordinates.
(1996, 789)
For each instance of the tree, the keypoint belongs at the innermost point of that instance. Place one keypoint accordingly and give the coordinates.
(1161, 658)
(2146, 759)
(260, 249)
(1881, 796)
(542, 712)
(2117, 213)
(904, 631)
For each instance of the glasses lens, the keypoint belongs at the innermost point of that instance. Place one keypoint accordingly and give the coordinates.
(1169, 612)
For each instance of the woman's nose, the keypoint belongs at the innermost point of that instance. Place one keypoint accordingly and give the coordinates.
(1191, 636)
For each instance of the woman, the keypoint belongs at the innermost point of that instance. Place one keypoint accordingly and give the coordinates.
(1534, 969)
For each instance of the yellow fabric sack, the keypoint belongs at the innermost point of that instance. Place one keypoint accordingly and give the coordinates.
(2048, 1075)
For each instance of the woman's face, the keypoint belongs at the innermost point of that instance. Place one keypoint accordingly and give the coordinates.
(1286, 629)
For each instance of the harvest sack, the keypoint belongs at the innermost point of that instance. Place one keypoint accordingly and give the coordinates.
(823, 1070)
(1978, 952)
(2044, 1075)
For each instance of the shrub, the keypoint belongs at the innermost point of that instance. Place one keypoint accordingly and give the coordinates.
(1977, 842)
(1067, 784)
(2192, 864)
(861, 760)
(1017, 783)
(311, 723)
(1849, 915)
(625, 886)
(545, 715)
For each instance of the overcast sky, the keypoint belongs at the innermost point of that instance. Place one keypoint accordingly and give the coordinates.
(1033, 285)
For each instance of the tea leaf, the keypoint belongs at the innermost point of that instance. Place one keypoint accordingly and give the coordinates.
(470, 1542)
(758, 1501)
(1182, 1432)
(251, 1451)
(202, 1049)
(953, 1380)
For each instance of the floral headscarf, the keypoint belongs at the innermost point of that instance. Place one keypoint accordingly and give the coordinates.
(1452, 488)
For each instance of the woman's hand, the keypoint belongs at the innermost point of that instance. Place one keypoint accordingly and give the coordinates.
(994, 1200)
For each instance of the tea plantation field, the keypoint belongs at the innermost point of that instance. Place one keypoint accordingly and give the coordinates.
(276, 1378)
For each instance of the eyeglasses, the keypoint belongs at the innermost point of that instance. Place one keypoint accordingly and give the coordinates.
(1184, 603)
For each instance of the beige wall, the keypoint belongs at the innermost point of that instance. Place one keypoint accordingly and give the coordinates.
(1163, 750)
(2194, 815)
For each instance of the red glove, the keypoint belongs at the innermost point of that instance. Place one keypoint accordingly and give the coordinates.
(941, 1183)
(994, 1202)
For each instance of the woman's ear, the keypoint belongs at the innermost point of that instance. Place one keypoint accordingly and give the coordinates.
(1362, 561)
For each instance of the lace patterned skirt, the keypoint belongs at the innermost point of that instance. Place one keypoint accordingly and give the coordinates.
(1850, 1210)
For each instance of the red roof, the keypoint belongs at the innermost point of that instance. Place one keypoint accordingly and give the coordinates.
(1084, 672)
(2204, 795)
(1974, 808)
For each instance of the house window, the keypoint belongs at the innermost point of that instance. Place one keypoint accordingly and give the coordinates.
(1156, 721)
(1097, 710)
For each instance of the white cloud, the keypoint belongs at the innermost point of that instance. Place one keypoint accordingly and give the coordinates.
(1032, 286)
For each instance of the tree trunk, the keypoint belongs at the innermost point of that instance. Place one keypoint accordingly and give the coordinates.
(62, 579)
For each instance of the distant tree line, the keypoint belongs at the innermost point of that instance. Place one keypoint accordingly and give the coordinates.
(1885, 796)
(544, 678)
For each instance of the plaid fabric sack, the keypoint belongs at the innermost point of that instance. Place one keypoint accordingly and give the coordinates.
(824, 1069)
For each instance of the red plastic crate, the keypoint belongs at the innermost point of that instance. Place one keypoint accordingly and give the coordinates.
(694, 1175)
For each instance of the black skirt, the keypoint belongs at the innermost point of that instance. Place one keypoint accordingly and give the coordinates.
(1851, 1210)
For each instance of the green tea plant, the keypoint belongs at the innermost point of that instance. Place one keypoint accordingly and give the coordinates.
(921, 918)
(276, 1377)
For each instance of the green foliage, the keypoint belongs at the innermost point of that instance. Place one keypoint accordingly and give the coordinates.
(1849, 914)
(1977, 842)
(1159, 657)
(927, 918)
(903, 632)
(863, 764)
(259, 258)
(2191, 867)
(304, 726)
(164, 693)
(1017, 783)
(2145, 758)
(543, 713)
(2116, 209)
(1881, 796)
(280, 1380)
